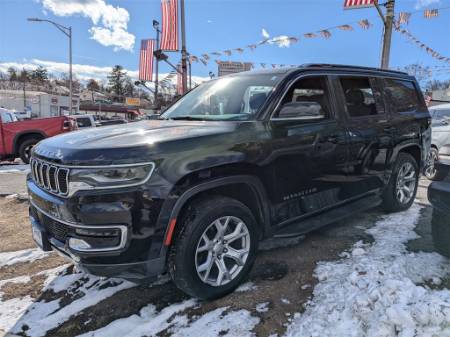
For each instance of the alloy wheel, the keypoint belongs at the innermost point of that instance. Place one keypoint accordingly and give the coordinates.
(222, 251)
(27, 151)
(430, 170)
(406, 183)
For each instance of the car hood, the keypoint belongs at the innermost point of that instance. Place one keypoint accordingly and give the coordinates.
(125, 143)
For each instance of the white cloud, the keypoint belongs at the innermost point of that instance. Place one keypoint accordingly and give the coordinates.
(110, 23)
(424, 3)
(83, 72)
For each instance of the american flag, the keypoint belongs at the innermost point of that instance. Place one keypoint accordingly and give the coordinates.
(430, 13)
(352, 4)
(146, 60)
(169, 31)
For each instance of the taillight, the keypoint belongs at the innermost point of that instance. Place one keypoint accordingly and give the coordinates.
(70, 125)
(66, 125)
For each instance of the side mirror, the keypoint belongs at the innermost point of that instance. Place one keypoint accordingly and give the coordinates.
(302, 110)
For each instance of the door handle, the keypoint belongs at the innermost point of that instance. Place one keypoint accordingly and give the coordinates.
(332, 139)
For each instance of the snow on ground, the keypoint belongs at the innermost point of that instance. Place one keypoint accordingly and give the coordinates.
(378, 289)
(12, 309)
(21, 256)
(149, 322)
(14, 168)
(88, 290)
(247, 286)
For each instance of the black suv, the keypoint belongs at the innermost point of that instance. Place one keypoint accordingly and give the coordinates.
(236, 160)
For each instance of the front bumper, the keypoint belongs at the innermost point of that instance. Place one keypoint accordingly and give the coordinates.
(120, 229)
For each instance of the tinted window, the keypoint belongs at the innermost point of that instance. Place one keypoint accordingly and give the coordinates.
(307, 98)
(361, 96)
(83, 122)
(402, 95)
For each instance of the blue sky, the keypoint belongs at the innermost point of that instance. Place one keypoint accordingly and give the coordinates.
(212, 25)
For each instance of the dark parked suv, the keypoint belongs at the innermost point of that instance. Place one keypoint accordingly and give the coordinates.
(238, 159)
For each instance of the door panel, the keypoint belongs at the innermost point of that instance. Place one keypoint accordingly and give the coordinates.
(308, 156)
(370, 133)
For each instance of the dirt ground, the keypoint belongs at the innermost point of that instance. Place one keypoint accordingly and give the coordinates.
(282, 276)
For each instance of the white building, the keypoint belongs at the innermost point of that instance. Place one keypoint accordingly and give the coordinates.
(39, 104)
(93, 96)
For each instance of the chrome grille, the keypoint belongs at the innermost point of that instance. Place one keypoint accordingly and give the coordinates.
(50, 177)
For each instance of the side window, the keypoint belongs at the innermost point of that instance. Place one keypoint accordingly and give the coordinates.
(83, 122)
(6, 117)
(307, 99)
(402, 95)
(362, 97)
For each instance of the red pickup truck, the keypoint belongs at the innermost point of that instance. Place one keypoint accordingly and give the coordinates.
(17, 138)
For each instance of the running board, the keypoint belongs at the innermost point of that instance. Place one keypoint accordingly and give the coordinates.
(311, 223)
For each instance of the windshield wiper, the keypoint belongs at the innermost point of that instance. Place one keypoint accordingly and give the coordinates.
(186, 118)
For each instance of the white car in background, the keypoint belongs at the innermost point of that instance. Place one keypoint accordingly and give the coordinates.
(440, 125)
(85, 121)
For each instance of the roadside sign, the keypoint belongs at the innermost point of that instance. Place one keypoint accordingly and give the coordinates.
(134, 101)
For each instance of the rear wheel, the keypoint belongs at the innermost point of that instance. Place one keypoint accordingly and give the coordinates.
(402, 187)
(430, 167)
(214, 249)
(25, 149)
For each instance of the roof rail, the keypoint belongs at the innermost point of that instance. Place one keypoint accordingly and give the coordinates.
(346, 66)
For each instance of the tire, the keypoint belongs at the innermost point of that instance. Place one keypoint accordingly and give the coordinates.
(440, 230)
(185, 260)
(25, 149)
(430, 170)
(391, 200)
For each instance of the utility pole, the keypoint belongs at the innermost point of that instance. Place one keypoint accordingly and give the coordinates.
(388, 22)
(70, 70)
(67, 31)
(156, 26)
(183, 49)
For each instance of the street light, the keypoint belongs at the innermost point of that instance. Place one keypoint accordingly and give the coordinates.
(68, 32)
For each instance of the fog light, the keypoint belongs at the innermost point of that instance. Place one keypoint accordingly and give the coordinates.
(78, 244)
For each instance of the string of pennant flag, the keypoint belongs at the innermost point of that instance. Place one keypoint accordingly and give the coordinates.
(433, 53)
(169, 38)
(402, 18)
(280, 41)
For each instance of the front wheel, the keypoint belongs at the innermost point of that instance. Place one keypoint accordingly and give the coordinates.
(402, 187)
(25, 149)
(214, 249)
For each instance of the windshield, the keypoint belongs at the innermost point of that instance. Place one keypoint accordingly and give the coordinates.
(228, 98)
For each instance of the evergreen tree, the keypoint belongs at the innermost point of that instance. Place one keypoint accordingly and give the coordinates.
(39, 75)
(116, 82)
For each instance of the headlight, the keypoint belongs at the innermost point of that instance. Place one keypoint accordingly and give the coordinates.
(109, 176)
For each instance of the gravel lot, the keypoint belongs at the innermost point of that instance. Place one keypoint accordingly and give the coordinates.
(68, 303)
